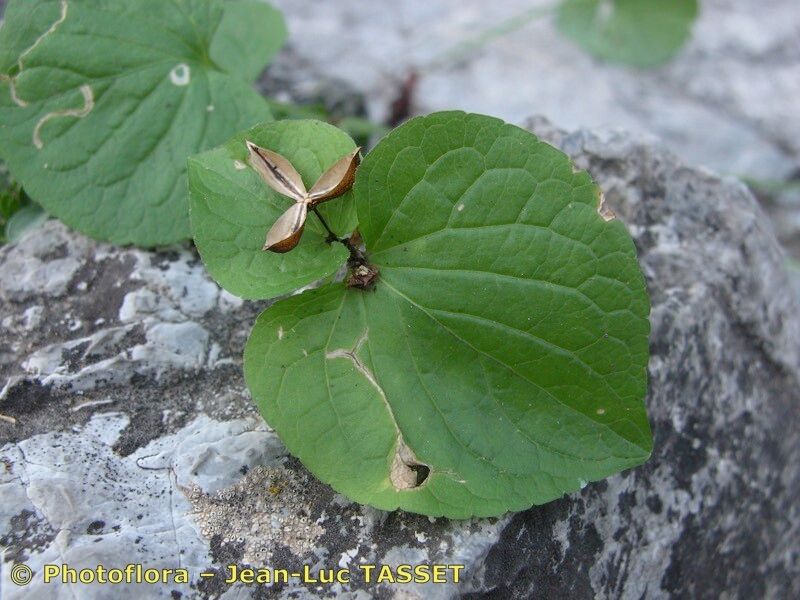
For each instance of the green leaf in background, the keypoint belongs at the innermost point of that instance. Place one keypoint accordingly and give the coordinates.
(18, 213)
(642, 33)
(232, 209)
(500, 360)
(101, 101)
(23, 220)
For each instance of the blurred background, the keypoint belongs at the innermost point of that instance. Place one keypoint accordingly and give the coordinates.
(728, 99)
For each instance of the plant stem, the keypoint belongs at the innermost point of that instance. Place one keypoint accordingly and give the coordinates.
(332, 237)
(357, 257)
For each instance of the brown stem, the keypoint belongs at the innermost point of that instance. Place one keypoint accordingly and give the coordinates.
(357, 257)
(362, 275)
(332, 237)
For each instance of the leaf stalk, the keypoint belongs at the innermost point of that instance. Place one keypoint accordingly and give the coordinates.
(362, 274)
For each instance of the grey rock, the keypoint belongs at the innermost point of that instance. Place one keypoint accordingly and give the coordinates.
(293, 79)
(728, 100)
(783, 206)
(45, 269)
(128, 434)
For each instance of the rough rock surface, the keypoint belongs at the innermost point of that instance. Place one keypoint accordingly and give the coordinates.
(128, 436)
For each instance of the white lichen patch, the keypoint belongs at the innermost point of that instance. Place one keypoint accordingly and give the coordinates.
(263, 510)
(78, 113)
(180, 75)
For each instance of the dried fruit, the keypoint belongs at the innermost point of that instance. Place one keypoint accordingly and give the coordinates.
(281, 176)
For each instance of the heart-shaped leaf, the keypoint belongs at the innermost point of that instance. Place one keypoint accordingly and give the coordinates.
(232, 209)
(500, 360)
(101, 101)
(642, 33)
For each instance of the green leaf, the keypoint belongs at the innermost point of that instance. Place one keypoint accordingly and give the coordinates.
(101, 102)
(642, 33)
(250, 34)
(23, 220)
(504, 346)
(11, 199)
(232, 209)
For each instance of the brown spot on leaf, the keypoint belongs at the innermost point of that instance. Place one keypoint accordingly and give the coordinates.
(407, 472)
(362, 277)
(603, 210)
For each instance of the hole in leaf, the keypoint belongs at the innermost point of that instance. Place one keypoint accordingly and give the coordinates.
(422, 472)
(407, 472)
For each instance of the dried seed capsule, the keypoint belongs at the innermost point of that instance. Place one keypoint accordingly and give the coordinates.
(285, 234)
(277, 172)
(337, 180)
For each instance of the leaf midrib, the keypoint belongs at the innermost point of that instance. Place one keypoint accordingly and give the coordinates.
(536, 443)
(606, 426)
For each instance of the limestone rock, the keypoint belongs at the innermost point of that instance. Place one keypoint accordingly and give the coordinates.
(129, 435)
